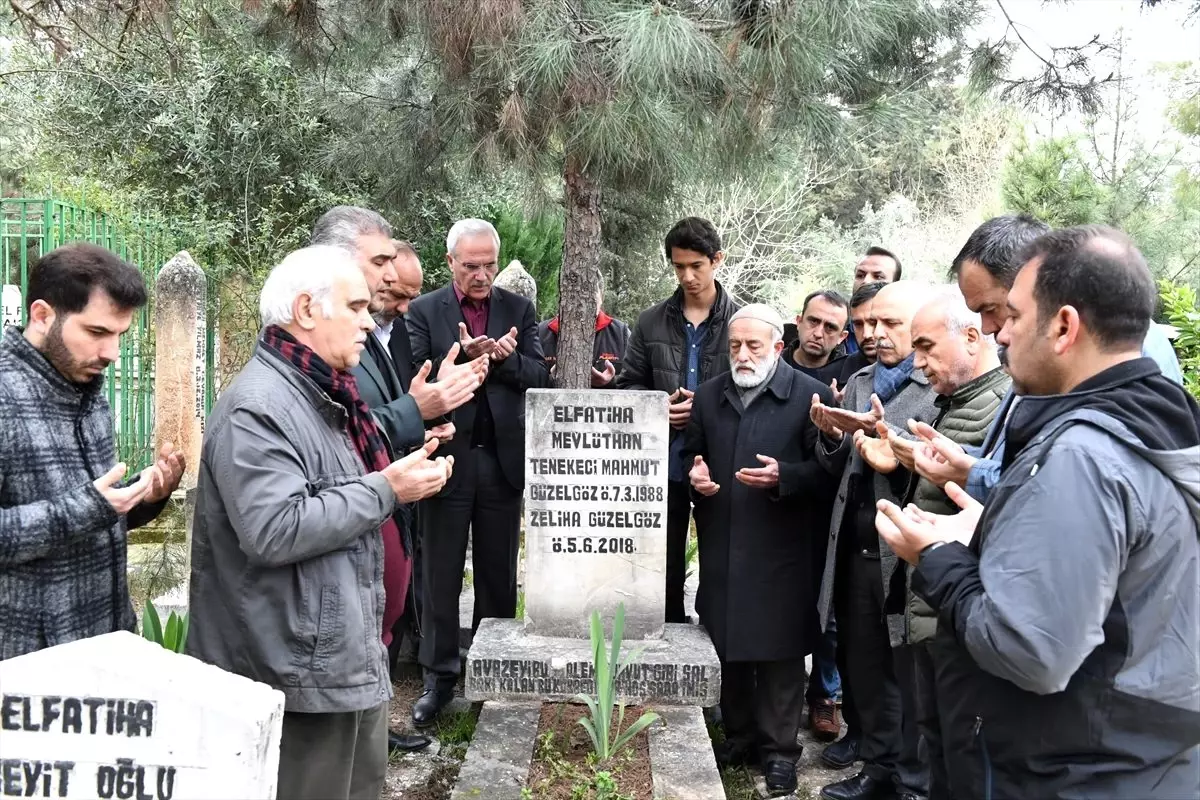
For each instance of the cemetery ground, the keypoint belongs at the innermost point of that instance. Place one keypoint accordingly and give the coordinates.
(157, 560)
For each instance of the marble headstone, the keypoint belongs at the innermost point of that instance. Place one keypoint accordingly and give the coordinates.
(118, 716)
(595, 510)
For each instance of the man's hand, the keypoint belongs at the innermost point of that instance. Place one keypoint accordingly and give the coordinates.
(876, 452)
(851, 421)
(764, 477)
(443, 433)
(122, 500)
(903, 449)
(437, 399)
(838, 394)
(701, 479)
(680, 409)
(474, 348)
(449, 365)
(819, 414)
(910, 531)
(505, 346)
(416, 476)
(940, 460)
(166, 474)
(602, 379)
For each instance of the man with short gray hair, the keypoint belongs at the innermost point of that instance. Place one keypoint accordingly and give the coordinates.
(755, 479)
(295, 501)
(482, 321)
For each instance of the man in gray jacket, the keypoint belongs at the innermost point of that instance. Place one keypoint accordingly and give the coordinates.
(1068, 643)
(296, 494)
(859, 566)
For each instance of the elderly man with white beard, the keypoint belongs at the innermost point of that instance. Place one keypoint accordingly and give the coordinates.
(756, 484)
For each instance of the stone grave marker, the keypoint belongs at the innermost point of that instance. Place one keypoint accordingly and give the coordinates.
(180, 298)
(595, 510)
(118, 716)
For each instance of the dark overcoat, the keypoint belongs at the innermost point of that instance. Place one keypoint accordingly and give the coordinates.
(758, 593)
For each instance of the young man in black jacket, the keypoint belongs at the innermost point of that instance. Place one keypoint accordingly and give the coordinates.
(677, 345)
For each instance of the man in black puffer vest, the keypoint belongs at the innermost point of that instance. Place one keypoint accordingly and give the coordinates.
(1068, 642)
(677, 345)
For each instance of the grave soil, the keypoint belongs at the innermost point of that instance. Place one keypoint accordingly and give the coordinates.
(561, 768)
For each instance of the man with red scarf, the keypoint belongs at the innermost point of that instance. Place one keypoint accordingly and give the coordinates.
(608, 347)
(296, 497)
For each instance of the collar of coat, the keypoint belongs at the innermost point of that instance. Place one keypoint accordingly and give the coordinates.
(780, 386)
(332, 411)
(61, 388)
(996, 380)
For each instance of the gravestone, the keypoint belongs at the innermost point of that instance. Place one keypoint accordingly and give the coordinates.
(595, 538)
(11, 305)
(180, 296)
(595, 509)
(118, 716)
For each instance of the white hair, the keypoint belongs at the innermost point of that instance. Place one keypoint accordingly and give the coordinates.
(949, 300)
(312, 271)
(470, 227)
(762, 313)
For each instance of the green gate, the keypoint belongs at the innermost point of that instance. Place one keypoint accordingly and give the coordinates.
(31, 227)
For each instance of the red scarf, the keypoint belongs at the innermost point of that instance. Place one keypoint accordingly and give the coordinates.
(371, 448)
(602, 322)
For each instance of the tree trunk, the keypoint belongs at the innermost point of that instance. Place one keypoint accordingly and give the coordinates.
(579, 278)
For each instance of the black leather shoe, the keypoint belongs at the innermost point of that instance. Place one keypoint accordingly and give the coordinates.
(735, 754)
(429, 705)
(407, 742)
(781, 776)
(860, 787)
(841, 753)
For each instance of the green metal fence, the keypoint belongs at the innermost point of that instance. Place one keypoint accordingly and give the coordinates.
(30, 227)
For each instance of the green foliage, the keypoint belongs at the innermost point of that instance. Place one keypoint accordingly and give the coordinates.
(1181, 310)
(607, 669)
(173, 637)
(537, 243)
(1051, 181)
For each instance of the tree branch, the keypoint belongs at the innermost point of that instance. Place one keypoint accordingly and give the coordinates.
(46, 28)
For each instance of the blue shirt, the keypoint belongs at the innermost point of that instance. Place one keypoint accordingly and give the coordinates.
(691, 379)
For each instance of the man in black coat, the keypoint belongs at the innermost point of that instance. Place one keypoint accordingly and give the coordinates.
(676, 345)
(484, 496)
(755, 480)
(608, 345)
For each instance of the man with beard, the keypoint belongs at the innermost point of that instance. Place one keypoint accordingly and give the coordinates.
(962, 367)
(822, 327)
(859, 565)
(985, 269)
(754, 476)
(64, 513)
(1068, 649)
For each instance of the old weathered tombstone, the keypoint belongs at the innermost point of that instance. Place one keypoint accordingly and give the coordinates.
(118, 716)
(180, 296)
(516, 279)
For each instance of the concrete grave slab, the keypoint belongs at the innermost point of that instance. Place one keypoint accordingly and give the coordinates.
(497, 762)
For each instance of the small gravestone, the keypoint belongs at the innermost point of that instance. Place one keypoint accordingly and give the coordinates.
(180, 297)
(118, 716)
(595, 509)
(11, 305)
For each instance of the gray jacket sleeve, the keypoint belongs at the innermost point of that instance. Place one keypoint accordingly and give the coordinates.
(279, 517)
(401, 422)
(1047, 576)
(37, 530)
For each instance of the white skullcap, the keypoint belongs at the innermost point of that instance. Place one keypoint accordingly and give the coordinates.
(761, 312)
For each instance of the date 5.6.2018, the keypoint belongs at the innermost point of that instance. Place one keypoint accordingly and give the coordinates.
(591, 544)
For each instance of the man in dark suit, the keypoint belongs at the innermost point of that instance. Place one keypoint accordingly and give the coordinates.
(401, 415)
(484, 497)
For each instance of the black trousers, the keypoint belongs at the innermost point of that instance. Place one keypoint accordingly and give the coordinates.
(483, 503)
(881, 677)
(929, 723)
(679, 514)
(849, 709)
(761, 706)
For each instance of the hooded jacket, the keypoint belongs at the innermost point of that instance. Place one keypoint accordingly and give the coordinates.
(1068, 643)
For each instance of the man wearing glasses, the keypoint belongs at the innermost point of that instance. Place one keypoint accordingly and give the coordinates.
(484, 496)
